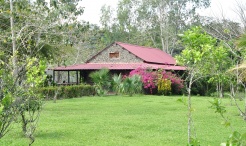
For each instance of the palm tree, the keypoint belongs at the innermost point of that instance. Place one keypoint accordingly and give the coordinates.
(117, 83)
(101, 81)
(132, 85)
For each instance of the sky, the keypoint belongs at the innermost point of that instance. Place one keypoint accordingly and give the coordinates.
(218, 7)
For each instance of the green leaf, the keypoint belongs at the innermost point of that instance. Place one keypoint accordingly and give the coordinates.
(7, 99)
(243, 138)
(1, 109)
(192, 109)
(235, 138)
(226, 123)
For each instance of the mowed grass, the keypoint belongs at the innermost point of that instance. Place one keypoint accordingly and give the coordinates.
(126, 121)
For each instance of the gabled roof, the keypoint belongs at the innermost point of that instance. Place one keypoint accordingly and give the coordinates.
(152, 58)
(147, 54)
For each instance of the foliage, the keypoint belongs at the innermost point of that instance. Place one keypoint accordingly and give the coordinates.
(150, 22)
(66, 91)
(224, 30)
(238, 77)
(132, 85)
(194, 142)
(152, 80)
(117, 83)
(101, 81)
(164, 86)
(198, 47)
(216, 104)
(176, 82)
(148, 78)
(8, 112)
(30, 102)
(235, 138)
(19, 98)
(241, 42)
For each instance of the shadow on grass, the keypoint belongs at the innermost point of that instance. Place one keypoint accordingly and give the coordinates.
(51, 134)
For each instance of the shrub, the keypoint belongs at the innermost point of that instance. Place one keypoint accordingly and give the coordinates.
(164, 86)
(101, 81)
(132, 85)
(148, 78)
(176, 82)
(117, 83)
(66, 91)
(164, 82)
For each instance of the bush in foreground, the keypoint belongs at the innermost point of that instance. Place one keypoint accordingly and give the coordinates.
(66, 91)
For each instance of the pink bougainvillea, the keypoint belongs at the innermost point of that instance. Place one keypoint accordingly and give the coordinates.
(176, 81)
(150, 79)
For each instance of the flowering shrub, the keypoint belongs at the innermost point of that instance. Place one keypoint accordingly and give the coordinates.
(176, 82)
(164, 86)
(148, 78)
(161, 80)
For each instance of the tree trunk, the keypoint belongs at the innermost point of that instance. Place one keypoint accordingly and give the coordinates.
(189, 108)
(221, 90)
(244, 116)
(24, 123)
(14, 60)
(232, 91)
(189, 115)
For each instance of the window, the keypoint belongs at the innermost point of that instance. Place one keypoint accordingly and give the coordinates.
(114, 55)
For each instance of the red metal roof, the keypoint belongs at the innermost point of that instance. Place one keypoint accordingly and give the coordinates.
(153, 58)
(117, 66)
(148, 54)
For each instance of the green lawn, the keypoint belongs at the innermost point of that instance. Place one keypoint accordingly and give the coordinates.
(126, 121)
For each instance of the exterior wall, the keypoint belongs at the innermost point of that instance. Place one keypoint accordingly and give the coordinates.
(124, 56)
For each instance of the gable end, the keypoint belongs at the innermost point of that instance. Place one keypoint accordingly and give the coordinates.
(115, 54)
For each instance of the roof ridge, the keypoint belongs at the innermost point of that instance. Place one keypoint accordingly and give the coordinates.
(138, 46)
(114, 63)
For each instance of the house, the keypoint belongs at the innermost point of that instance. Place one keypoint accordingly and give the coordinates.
(120, 58)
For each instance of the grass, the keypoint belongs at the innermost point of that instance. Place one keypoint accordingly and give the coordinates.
(129, 121)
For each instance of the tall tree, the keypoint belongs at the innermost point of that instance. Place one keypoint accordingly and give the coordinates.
(28, 31)
(198, 48)
(156, 22)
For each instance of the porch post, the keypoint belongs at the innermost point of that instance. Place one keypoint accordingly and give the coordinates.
(54, 77)
(68, 75)
(80, 76)
(77, 75)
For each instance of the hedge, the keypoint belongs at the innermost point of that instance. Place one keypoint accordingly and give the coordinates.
(66, 91)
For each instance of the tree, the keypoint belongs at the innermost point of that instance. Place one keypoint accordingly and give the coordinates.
(221, 60)
(238, 72)
(198, 46)
(117, 83)
(132, 85)
(240, 11)
(29, 30)
(153, 22)
(101, 80)
(226, 30)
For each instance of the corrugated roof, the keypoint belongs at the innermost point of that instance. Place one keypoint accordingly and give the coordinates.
(117, 66)
(148, 54)
(153, 58)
